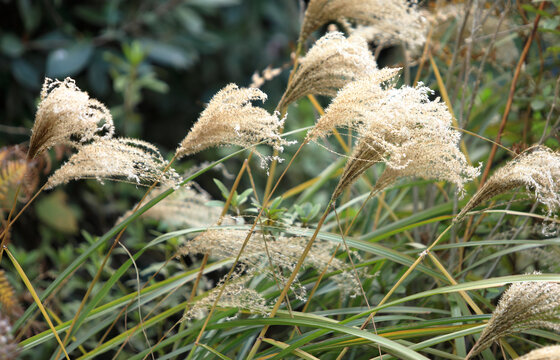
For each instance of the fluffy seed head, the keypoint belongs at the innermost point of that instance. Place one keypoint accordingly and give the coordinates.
(284, 252)
(121, 159)
(537, 169)
(8, 347)
(545, 353)
(235, 295)
(186, 207)
(400, 127)
(379, 20)
(67, 115)
(231, 119)
(523, 306)
(331, 63)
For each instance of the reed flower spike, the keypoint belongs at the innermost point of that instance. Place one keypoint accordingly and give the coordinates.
(400, 127)
(8, 347)
(235, 295)
(186, 207)
(231, 119)
(537, 169)
(121, 159)
(67, 115)
(382, 21)
(545, 353)
(523, 306)
(331, 63)
(284, 252)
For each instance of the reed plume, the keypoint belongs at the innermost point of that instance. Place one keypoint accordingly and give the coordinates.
(235, 295)
(8, 347)
(67, 115)
(284, 252)
(523, 306)
(384, 20)
(231, 119)
(8, 299)
(331, 63)
(537, 169)
(119, 159)
(545, 353)
(12, 172)
(186, 207)
(398, 126)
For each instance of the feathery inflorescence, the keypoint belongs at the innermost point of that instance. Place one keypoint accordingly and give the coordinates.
(331, 63)
(523, 306)
(537, 169)
(545, 353)
(400, 127)
(121, 159)
(8, 299)
(231, 119)
(185, 207)
(284, 252)
(8, 347)
(234, 295)
(381, 21)
(67, 115)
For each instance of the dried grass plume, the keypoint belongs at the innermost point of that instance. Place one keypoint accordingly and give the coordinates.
(185, 207)
(67, 115)
(545, 353)
(283, 251)
(231, 119)
(119, 159)
(9, 349)
(331, 63)
(380, 20)
(401, 127)
(537, 169)
(523, 306)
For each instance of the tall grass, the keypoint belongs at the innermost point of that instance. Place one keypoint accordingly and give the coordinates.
(397, 248)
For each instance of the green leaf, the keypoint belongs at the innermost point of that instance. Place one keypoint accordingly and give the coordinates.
(169, 55)
(68, 61)
(26, 74)
(52, 208)
(11, 45)
(223, 189)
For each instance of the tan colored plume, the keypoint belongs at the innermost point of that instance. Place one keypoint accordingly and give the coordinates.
(379, 20)
(67, 115)
(545, 353)
(400, 127)
(284, 252)
(9, 349)
(523, 306)
(537, 169)
(119, 159)
(331, 63)
(185, 207)
(231, 119)
(235, 295)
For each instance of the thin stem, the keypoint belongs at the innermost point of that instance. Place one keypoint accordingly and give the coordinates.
(408, 272)
(289, 282)
(356, 273)
(4, 234)
(509, 102)
(106, 259)
(229, 274)
(29, 286)
(283, 110)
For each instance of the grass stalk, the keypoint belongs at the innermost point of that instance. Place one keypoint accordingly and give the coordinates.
(33, 293)
(230, 273)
